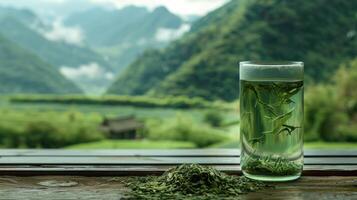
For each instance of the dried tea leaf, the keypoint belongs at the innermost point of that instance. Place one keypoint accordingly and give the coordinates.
(192, 181)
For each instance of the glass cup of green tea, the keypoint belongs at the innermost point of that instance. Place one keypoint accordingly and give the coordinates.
(272, 116)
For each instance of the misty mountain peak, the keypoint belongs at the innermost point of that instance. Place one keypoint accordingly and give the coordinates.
(161, 10)
(133, 8)
(24, 15)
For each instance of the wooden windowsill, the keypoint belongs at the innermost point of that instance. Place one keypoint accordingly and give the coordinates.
(143, 162)
(27, 174)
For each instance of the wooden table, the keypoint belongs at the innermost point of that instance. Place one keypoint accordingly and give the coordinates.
(62, 175)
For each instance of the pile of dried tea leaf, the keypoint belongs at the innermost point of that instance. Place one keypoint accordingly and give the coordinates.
(192, 182)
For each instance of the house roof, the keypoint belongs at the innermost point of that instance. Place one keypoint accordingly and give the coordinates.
(122, 124)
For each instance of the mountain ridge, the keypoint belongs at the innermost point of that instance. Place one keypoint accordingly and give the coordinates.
(250, 30)
(31, 35)
(24, 72)
(125, 33)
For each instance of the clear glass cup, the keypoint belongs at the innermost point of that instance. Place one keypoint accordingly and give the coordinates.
(272, 115)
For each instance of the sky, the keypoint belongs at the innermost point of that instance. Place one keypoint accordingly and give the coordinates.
(180, 7)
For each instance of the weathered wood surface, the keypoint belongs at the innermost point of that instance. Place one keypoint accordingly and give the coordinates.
(112, 188)
(327, 174)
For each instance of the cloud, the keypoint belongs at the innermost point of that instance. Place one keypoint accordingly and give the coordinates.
(27, 2)
(167, 34)
(181, 7)
(142, 41)
(65, 7)
(53, 1)
(60, 33)
(92, 71)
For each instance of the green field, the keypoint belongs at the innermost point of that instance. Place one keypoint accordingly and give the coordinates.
(146, 144)
(307, 145)
(51, 125)
(330, 145)
(134, 144)
(116, 110)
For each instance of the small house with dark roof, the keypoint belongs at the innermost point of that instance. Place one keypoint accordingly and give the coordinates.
(122, 127)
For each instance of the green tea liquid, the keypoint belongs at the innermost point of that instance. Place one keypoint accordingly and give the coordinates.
(271, 129)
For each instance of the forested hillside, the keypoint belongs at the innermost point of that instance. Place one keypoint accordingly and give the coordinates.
(204, 63)
(24, 15)
(24, 72)
(121, 35)
(56, 53)
(27, 30)
(129, 24)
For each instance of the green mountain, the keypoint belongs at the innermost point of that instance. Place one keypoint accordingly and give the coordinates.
(24, 15)
(129, 24)
(204, 62)
(56, 53)
(24, 72)
(121, 35)
(218, 16)
(95, 19)
(26, 29)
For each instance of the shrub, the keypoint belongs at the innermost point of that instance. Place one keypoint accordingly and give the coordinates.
(331, 110)
(11, 137)
(25, 129)
(182, 102)
(348, 132)
(319, 105)
(214, 118)
(182, 129)
(42, 134)
(204, 136)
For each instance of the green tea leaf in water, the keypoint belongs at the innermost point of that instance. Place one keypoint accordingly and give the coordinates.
(271, 132)
(271, 109)
(271, 166)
